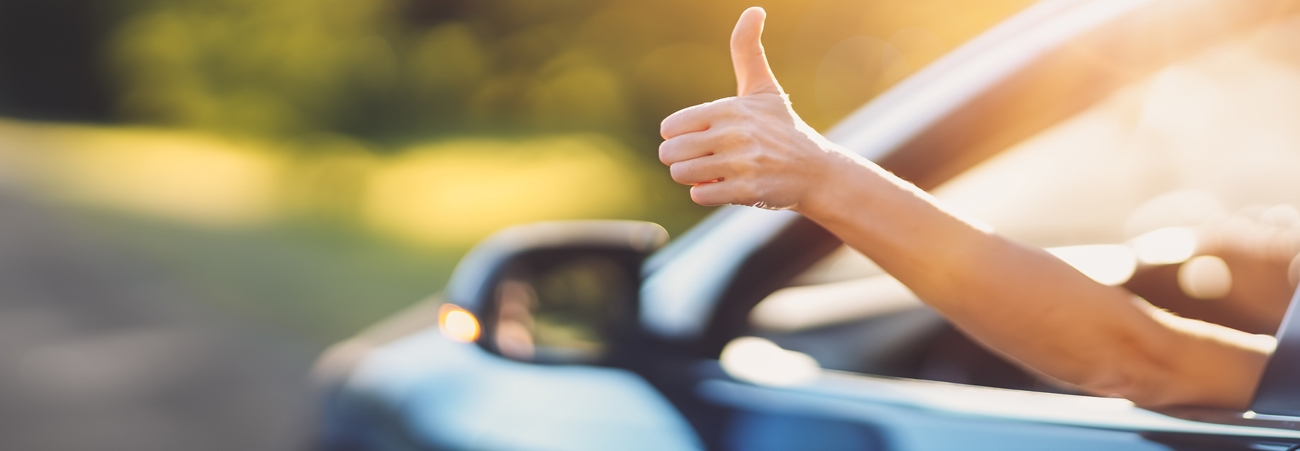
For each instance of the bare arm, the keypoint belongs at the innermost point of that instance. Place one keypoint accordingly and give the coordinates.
(1023, 302)
(1034, 308)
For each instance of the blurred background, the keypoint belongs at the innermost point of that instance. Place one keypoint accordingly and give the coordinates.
(198, 196)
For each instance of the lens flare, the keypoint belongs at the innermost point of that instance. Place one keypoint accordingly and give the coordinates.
(760, 361)
(1205, 277)
(1165, 246)
(457, 324)
(1108, 264)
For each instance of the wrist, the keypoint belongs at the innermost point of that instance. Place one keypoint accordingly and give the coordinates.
(841, 186)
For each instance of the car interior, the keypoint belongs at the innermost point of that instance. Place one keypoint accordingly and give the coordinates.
(1114, 190)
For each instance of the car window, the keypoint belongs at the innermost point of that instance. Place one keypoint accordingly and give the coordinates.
(1212, 135)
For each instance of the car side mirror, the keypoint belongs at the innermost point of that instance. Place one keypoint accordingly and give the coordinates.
(556, 292)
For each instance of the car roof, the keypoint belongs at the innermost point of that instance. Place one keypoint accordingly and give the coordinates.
(1035, 69)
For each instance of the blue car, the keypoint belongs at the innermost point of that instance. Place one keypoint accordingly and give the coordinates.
(1099, 129)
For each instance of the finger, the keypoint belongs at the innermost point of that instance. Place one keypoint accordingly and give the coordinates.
(753, 75)
(687, 146)
(1293, 271)
(1281, 215)
(687, 120)
(710, 194)
(699, 170)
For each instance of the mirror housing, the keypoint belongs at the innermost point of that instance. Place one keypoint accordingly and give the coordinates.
(552, 292)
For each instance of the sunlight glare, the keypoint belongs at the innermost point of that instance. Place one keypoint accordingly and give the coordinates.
(1165, 246)
(1108, 264)
(453, 193)
(762, 362)
(813, 306)
(1205, 277)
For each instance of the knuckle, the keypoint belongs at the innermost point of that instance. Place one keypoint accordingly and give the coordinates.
(700, 195)
(677, 171)
(665, 152)
(665, 127)
(737, 111)
(740, 165)
(737, 138)
(727, 108)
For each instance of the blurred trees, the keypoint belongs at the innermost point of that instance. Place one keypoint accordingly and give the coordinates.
(409, 69)
(391, 69)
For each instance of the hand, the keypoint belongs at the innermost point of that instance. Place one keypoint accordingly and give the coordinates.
(1262, 251)
(751, 149)
(1250, 287)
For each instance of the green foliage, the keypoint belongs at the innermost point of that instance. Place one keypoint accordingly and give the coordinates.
(408, 69)
(256, 67)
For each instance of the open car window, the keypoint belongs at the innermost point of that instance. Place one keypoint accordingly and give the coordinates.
(1201, 139)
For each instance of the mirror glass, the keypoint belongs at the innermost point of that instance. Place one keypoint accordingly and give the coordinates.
(562, 309)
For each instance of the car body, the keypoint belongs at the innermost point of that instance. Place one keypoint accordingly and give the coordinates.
(674, 376)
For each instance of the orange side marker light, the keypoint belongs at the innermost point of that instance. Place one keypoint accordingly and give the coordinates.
(457, 323)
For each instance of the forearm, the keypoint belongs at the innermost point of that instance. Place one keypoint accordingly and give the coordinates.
(1031, 306)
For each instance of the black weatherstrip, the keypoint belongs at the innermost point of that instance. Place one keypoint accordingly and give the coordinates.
(1279, 389)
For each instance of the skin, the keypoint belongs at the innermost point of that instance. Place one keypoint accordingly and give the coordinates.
(1261, 249)
(1022, 302)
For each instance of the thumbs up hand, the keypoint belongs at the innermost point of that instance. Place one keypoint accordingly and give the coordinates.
(751, 149)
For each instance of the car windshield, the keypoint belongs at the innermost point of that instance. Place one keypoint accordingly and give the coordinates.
(1213, 135)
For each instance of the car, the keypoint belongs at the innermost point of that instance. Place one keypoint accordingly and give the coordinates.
(1097, 128)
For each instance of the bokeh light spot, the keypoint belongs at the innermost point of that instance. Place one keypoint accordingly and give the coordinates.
(1108, 264)
(1205, 277)
(457, 324)
(760, 361)
(1165, 246)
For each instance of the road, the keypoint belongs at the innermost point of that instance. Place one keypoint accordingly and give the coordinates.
(100, 349)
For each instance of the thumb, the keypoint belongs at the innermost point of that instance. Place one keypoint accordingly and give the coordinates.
(753, 75)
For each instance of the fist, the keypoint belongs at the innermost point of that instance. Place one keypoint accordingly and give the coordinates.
(751, 149)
